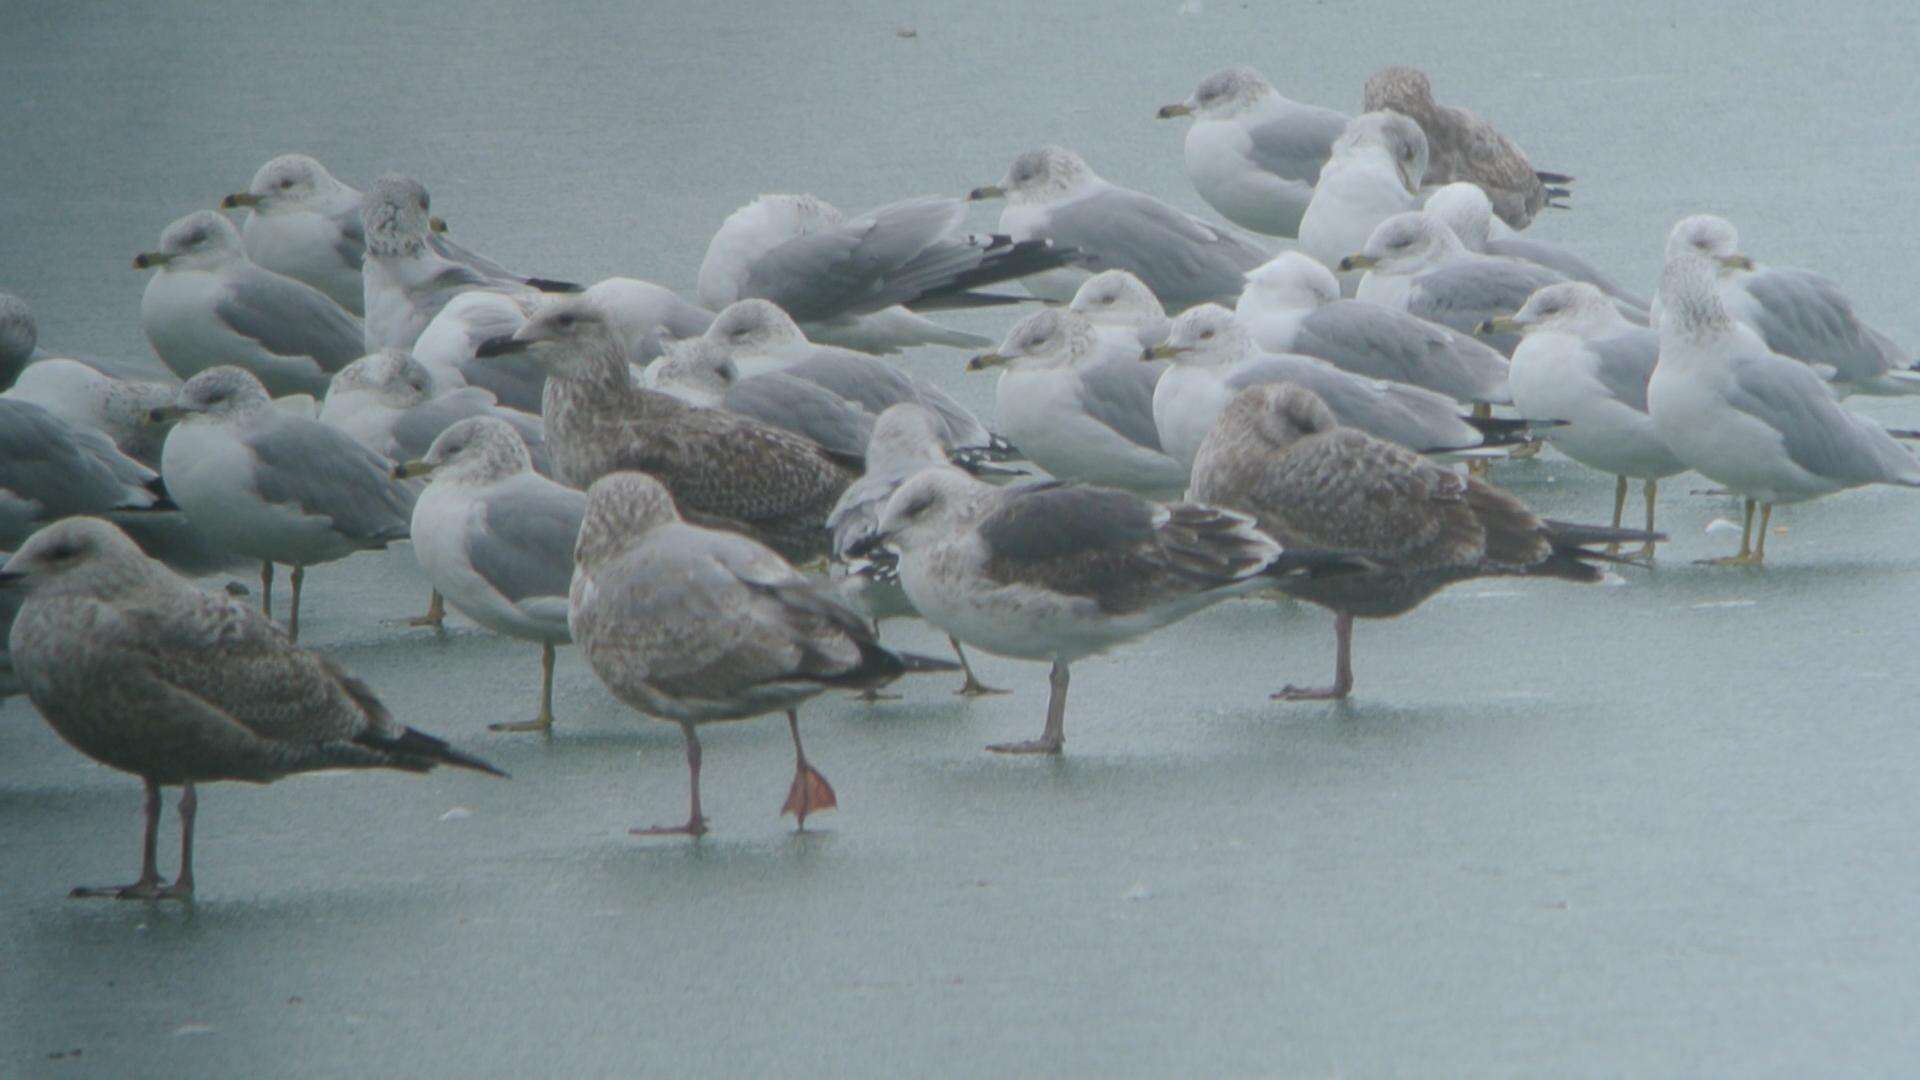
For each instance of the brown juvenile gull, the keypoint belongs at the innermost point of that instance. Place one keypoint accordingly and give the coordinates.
(136, 668)
(693, 625)
(724, 470)
(1278, 454)
(1462, 146)
(496, 539)
(275, 486)
(1058, 572)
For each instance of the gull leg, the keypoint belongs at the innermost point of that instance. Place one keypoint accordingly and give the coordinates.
(266, 589)
(1342, 668)
(810, 792)
(148, 887)
(696, 824)
(1479, 466)
(544, 722)
(1645, 554)
(436, 615)
(1619, 508)
(298, 577)
(1055, 735)
(972, 687)
(182, 887)
(1747, 557)
(1760, 544)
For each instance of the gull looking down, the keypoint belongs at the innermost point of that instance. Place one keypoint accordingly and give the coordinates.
(1374, 173)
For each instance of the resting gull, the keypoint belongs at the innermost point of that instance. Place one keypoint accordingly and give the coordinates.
(1374, 173)
(21, 348)
(496, 539)
(1253, 154)
(85, 396)
(387, 401)
(1278, 454)
(209, 306)
(1414, 263)
(700, 372)
(1125, 314)
(303, 222)
(139, 670)
(1469, 213)
(1757, 423)
(1052, 194)
(647, 317)
(50, 469)
(273, 485)
(450, 348)
(1058, 572)
(694, 625)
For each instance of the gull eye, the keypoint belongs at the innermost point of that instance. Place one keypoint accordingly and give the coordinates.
(1205, 335)
(287, 183)
(920, 505)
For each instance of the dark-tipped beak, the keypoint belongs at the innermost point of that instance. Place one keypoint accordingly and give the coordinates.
(991, 191)
(239, 199)
(167, 414)
(1357, 262)
(986, 360)
(436, 223)
(9, 579)
(148, 259)
(410, 469)
(504, 345)
(1168, 112)
(1499, 324)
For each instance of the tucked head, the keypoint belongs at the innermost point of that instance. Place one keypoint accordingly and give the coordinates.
(1118, 298)
(1048, 338)
(755, 326)
(1205, 336)
(216, 392)
(393, 376)
(1039, 176)
(622, 508)
(477, 450)
(1291, 280)
(78, 554)
(1466, 210)
(1224, 94)
(1388, 135)
(905, 432)
(285, 183)
(1278, 414)
(1710, 237)
(1405, 244)
(395, 215)
(201, 240)
(1403, 89)
(696, 370)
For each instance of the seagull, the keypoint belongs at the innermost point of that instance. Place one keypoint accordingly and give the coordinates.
(1581, 362)
(387, 402)
(275, 486)
(1214, 358)
(50, 469)
(139, 670)
(1374, 173)
(1465, 147)
(305, 224)
(449, 347)
(1125, 314)
(496, 539)
(1757, 423)
(1052, 194)
(1057, 572)
(693, 625)
(1278, 454)
(209, 306)
(700, 372)
(1414, 263)
(1075, 413)
(1253, 154)
(85, 397)
(20, 348)
(724, 470)
(859, 282)
(1469, 213)
(646, 317)
(1293, 305)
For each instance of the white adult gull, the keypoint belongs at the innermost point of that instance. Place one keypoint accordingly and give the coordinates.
(1757, 423)
(1253, 154)
(85, 396)
(139, 670)
(387, 401)
(50, 469)
(1469, 213)
(209, 305)
(1374, 173)
(1057, 572)
(303, 222)
(695, 626)
(647, 317)
(1414, 263)
(1052, 194)
(1125, 314)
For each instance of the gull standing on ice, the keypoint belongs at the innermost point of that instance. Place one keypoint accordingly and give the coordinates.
(1252, 154)
(139, 670)
(1374, 173)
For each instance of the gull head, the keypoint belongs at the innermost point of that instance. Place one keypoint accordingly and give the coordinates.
(1388, 137)
(1709, 236)
(1405, 244)
(18, 333)
(756, 328)
(1690, 304)
(923, 510)
(1117, 298)
(622, 508)
(1276, 415)
(1207, 336)
(203, 240)
(81, 555)
(1570, 307)
(1290, 281)
(1222, 95)
(395, 216)
(905, 432)
(1466, 210)
(1047, 339)
(1039, 176)
(639, 311)
(478, 450)
(569, 335)
(1400, 88)
(696, 371)
(392, 376)
(217, 393)
(288, 182)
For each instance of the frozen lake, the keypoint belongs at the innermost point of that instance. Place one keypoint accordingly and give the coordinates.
(1662, 826)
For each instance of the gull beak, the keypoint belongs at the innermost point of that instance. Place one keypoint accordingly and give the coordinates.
(167, 414)
(1737, 262)
(986, 360)
(239, 199)
(504, 345)
(1358, 262)
(1164, 352)
(1499, 324)
(412, 469)
(1168, 112)
(436, 223)
(991, 191)
(10, 578)
(149, 259)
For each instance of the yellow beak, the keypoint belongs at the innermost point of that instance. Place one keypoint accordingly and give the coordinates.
(239, 199)
(986, 360)
(1168, 112)
(1164, 352)
(1499, 324)
(1358, 262)
(411, 470)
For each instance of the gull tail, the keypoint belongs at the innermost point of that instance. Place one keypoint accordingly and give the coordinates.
(416, 751)
(1895, 382)
(1573, 555)
(1552, 177)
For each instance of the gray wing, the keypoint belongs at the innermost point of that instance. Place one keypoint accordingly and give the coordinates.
(804, 408)
(524, 545)
(1119, 394)
(289, 318)
(961, 428)
(416, 428)
(1626, 363)
(1378, 342)
(1563, 262)
(874, 384)
(324, 472)
(1465, 294)
(876, 260)
(1181, 259)
(64, 469)
(1804, 315)
(1296, 145)
(1819, 435)
(1417, 419)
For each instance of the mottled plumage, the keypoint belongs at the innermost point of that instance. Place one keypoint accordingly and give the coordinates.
(1461, 146)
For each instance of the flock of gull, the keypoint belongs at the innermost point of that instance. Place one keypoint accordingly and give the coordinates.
(719, 499)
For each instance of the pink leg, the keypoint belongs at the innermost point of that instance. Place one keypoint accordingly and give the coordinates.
(810, 792)
(148, 887)
(1342, 668)
(696, 825)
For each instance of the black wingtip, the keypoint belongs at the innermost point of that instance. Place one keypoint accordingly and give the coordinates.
(551, 285)
(1546, 177)
(428, 751)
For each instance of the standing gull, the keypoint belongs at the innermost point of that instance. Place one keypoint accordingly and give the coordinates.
(1058, 572)
(1293, 304)
(1753, 421)
(1581, 362)
(693, 626)
(1252, 154)
(1414, 263)
(142, 672)
(1125, 314)
(723, 470)
(1076, 414)
(1374, 174)
(1278, 454)
(496, 539)
(1464, 147)
(274, 486)
(1052, 194)
(209, 305)
(1469, 213)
